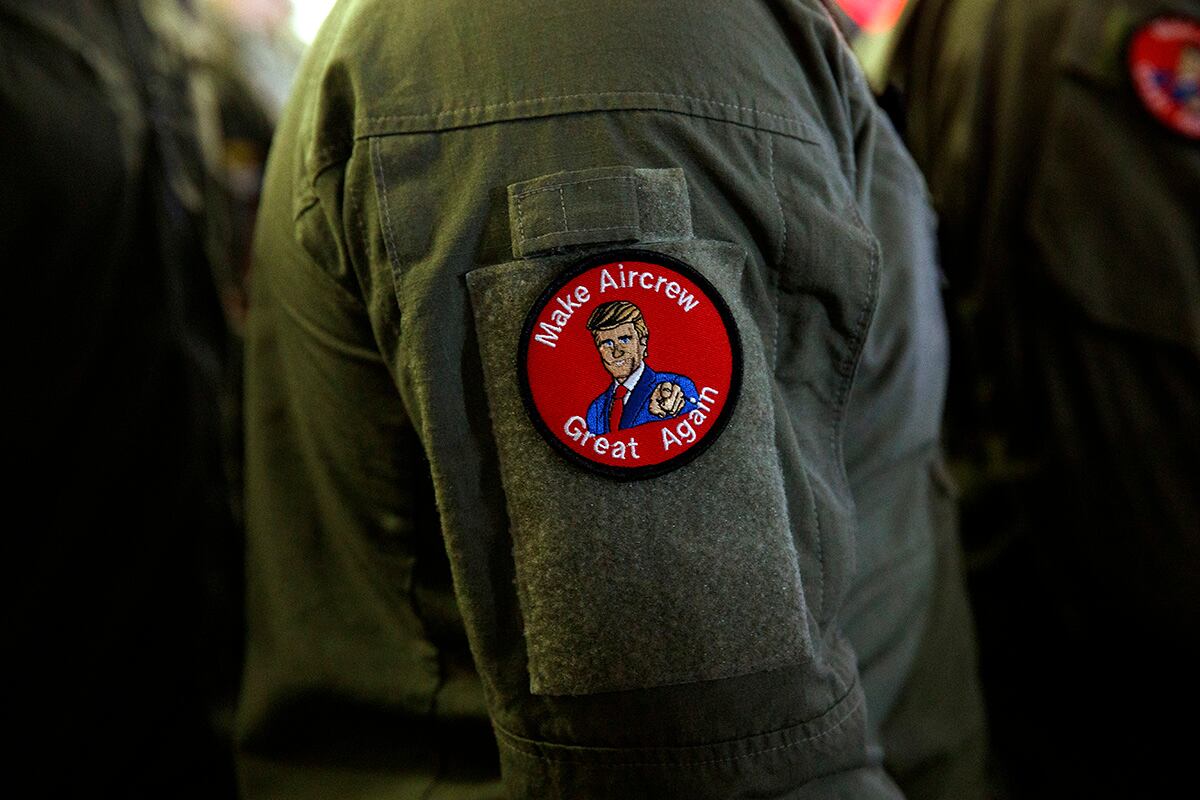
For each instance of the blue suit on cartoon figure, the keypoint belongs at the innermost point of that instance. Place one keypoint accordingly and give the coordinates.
(1181, 89)
(637, 403)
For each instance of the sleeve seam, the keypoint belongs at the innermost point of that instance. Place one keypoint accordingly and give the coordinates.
(600, 102)
(528, 747)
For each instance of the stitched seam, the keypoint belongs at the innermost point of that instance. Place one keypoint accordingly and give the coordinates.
(778, 199)
(812, 498)
(625, 227)
(783, 246)
(782, 656)
(782, 251)
(503, 740)
(520, 222)
(559, 186)
(361, 218)
(519, 197)
(543, 98)
(847, 366)
(381, 183)
(805, 133)
(856, 344)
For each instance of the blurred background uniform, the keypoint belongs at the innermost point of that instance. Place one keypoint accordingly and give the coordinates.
(1070, 232)
(251, 55)
(119, 234)
(257, 43)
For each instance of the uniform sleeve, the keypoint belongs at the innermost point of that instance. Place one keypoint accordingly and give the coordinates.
(907, 615)
(432, 542)
(341, 621)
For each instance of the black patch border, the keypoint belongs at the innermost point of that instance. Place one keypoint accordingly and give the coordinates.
(1127, 68)
(735, 378)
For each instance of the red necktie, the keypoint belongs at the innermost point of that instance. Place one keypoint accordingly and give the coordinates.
(618, 405)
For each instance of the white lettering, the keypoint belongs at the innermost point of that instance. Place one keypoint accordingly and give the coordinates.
(568, 304)
(682, 434)
(575, 427)
(647, 281)
(550, 337)
(576, 430)
(607, 282)
(669, 438)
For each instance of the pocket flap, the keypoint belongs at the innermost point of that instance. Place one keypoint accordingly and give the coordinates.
(686, 577)
(591, 206)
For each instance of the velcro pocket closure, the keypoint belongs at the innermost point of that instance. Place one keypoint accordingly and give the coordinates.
(602, 204)
(689, 576)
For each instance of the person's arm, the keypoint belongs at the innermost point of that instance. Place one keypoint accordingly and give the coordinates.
(908, 616)
(670, 636)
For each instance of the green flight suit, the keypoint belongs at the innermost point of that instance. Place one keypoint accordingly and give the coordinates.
(1071, 239)
(442, 606)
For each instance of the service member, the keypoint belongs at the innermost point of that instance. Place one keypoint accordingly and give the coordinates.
(1062, 145)
(460, 588)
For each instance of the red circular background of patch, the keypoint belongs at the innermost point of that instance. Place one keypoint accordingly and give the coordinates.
(700, 342)
(1154, 61)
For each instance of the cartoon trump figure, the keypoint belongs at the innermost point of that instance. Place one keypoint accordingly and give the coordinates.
(637, 394)
(1187, 78)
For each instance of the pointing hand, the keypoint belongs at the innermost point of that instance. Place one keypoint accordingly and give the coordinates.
(666, 400)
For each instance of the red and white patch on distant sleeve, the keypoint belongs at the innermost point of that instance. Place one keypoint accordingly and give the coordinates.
(1164, 64)
(630, 364)
(873, 16)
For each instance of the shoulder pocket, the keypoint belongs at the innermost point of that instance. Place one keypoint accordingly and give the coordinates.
(1113, 203)
(691, 574)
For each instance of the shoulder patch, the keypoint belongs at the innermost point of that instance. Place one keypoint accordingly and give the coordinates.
(1164, 65)
(630, 364)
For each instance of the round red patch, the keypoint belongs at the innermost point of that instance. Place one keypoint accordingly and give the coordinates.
(630, 364)
(1164, 62)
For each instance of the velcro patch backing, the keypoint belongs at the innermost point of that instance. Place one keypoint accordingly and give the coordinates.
(605, 204)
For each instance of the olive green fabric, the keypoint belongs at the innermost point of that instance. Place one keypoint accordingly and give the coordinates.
(426, 613)
(592, 638)
(1072, 247)
(605, 204)
(907, 614)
